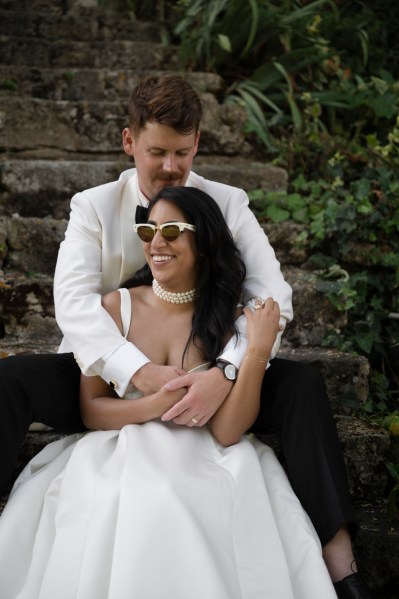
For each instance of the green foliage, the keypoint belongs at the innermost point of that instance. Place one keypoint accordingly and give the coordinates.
(352, 228)
(295, 64)
(391, 423)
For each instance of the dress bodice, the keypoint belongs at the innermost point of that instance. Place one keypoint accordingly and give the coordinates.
(126, 316)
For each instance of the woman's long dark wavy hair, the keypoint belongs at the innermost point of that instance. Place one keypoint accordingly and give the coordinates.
(220, 273)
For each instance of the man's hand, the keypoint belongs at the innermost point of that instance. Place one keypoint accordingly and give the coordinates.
(207, 390)
(151, 377)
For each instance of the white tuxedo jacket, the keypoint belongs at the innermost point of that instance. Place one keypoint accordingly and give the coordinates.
(100, 251)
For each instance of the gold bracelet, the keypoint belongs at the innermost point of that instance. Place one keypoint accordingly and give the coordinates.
(256, 358)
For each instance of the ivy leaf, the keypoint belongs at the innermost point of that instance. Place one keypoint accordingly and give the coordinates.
(276, 214)
(383, 106)
(224, 42)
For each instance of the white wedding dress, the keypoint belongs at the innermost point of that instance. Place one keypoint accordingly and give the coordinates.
(157, 511)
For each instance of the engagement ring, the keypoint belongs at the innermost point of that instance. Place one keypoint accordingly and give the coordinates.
(259, 304)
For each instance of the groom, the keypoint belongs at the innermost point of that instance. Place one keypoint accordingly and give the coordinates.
(100, 251)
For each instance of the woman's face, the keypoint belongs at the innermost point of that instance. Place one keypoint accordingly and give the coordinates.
(173, 263)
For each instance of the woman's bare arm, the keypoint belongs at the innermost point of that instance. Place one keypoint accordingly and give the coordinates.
(241, 407)
(102, 409)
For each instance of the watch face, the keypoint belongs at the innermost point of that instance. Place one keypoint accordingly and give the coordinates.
(231, 372)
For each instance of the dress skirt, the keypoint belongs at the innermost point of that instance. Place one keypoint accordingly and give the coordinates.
(157, 511)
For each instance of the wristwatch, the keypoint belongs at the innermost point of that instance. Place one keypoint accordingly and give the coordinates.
(229, 370)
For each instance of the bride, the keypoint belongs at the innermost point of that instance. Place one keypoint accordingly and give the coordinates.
(145, 509)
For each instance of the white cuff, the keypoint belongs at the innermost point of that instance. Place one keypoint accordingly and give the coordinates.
(121, 364)
(235, 349)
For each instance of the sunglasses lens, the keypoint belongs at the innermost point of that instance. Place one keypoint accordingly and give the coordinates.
(170, 232)
(145, 233)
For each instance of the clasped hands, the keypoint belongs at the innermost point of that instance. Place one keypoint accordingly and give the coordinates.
(205, 391)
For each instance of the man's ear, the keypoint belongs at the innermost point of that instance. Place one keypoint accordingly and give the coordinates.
(128, 142)
(197, 138)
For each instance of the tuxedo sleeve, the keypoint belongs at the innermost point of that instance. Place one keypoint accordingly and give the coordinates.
(89, 331)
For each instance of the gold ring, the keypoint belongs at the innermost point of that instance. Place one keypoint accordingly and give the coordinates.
(259, 304)
(194, 420)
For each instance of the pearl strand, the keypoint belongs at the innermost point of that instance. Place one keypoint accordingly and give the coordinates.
(184, 297)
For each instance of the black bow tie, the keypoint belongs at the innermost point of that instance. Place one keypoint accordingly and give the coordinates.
(141, 214)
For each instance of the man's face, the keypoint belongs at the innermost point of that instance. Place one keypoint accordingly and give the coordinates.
(162, 156)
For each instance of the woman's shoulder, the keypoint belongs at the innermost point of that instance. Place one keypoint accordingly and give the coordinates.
(111, 302)
(140, 294)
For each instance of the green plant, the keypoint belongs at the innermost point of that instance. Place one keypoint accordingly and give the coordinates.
(352, 228)
(293, 64)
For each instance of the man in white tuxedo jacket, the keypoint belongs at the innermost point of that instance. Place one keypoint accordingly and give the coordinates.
(100, 251)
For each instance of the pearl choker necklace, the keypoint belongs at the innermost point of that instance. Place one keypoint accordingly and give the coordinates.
(173, 298)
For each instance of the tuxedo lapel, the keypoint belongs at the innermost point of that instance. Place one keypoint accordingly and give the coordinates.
(131, 247)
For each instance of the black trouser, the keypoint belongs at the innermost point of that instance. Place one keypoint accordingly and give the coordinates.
(295, 406)
(45, 388)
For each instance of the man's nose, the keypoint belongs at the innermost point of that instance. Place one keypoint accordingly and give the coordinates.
(169, 163)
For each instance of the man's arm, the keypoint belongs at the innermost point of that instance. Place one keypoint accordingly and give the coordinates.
(79, 284)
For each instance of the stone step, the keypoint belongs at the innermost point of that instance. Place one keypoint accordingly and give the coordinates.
(45, 187)
(27, 308)
(314, 314)
(366, 449)
(48, 6)
(10, 346)
(50, 129)
(59, 53)
(377, 549)
(345, 375)
(29, 246)
(42, 188)
(89, 84)
(82, 24)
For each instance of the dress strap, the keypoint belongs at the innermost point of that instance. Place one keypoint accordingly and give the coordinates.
(126, 310)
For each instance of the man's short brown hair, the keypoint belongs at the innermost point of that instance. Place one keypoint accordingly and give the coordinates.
(167, 100)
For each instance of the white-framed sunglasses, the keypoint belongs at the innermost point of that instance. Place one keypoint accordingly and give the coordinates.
(169, 231)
